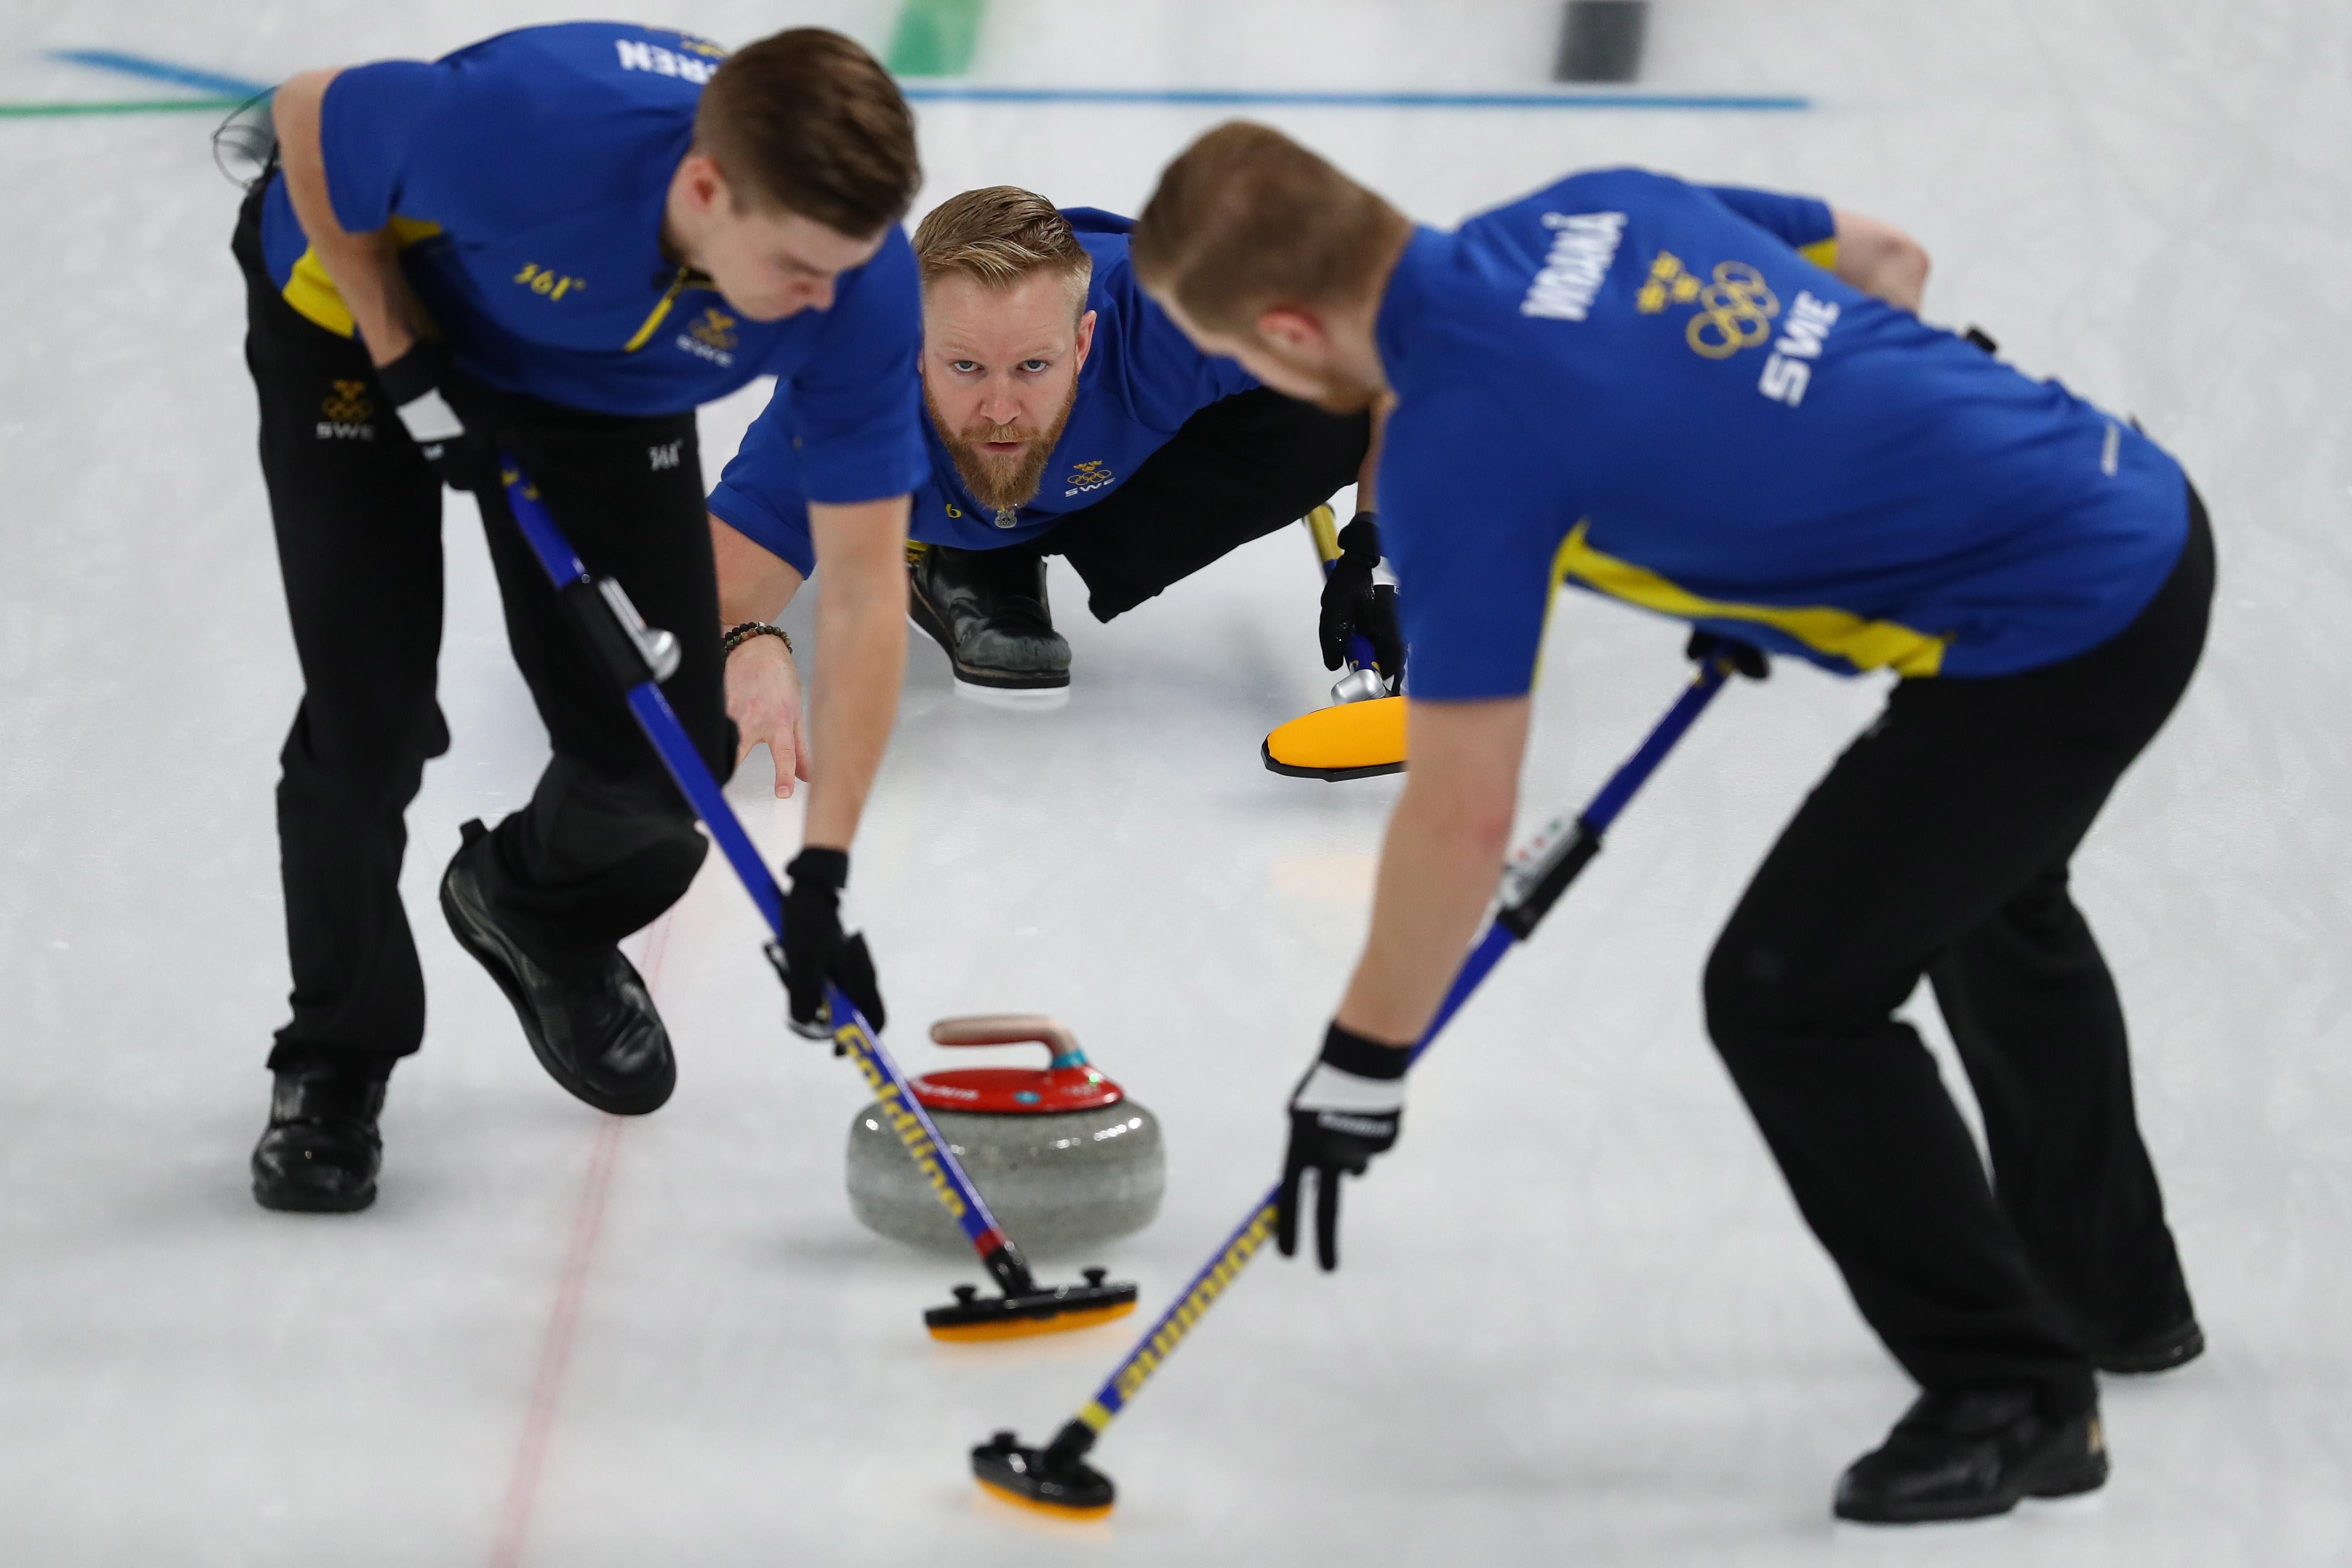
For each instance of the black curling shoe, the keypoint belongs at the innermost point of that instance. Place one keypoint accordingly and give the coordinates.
(321, 1150)
(1967, 1455)
(591, 1023)
(988, 612)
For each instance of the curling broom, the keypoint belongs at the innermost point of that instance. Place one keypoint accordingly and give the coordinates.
(1055, 1480)
(640, 657)
(1361, 734)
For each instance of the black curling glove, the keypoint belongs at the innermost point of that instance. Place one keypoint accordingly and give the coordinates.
(416, 382)
(1352, 602)
(816, 950)
(1348, 1108)
(1745, 658)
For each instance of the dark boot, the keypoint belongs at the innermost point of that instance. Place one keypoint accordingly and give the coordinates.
(321, 1150)
(986, 608)
(590, 1020)
(1967, 1455)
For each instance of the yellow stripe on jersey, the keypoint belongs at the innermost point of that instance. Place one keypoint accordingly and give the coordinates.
(1864, 644)
(661, 310)
(1822, 253)
(310, 291)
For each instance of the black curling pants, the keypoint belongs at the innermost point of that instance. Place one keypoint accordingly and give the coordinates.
(1938, 845)
(606, 842)
(1237, 470)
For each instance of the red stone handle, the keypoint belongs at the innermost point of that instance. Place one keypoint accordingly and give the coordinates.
(1011, 1030)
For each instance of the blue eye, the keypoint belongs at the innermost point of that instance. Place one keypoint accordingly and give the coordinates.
(1034, 366)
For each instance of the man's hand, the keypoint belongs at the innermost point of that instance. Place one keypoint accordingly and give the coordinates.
(1345, 1110)
(816, 950)
(414, 383)
(1745, 658)
(763, 698)
(1353, 603)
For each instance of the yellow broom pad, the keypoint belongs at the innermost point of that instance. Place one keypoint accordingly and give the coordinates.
(1038, 1505)
(1023, 1327)
(1351, 740)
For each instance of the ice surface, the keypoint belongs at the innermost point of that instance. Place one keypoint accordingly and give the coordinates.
(1579, 1321)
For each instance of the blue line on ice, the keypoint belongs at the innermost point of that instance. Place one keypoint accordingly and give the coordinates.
(978, 92)
(161, 70)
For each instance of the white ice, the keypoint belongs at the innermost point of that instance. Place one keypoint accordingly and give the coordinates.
(1579, 1321)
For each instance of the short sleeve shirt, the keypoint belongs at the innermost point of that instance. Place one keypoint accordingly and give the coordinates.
(1641, 387)
(1142, 379)
(526, 177)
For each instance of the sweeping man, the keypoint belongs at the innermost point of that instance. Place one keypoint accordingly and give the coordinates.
(1643, 387)
(555, 244)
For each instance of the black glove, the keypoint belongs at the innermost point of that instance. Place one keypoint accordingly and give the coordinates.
(814, 949)
(1746, 658)
(1345, 1110)
(414, 383)
(1352, 602)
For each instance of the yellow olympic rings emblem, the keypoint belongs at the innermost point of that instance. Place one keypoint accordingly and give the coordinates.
(1735, 311)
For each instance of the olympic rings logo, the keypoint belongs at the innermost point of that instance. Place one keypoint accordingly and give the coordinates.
(1735, 311)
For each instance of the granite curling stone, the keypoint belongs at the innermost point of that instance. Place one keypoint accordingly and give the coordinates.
(1063, 1157)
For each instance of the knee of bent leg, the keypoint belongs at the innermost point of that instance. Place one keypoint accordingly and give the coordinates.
(378, 752)
(1754, 994)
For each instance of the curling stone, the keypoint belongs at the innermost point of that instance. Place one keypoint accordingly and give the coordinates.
(1063, 1158)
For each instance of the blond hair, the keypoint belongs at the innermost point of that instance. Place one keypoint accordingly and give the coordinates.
(998, 236)
(1245, 220)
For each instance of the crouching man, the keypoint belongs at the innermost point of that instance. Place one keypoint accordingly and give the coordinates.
(1067, 415)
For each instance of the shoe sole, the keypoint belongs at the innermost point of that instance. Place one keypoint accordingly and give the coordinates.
(301, 1202)
(489, 953)
(970, 679)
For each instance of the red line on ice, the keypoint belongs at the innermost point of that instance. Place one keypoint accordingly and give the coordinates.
(563, 1320)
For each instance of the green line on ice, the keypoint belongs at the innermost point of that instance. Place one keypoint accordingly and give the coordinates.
(935, 37)
(123, 106)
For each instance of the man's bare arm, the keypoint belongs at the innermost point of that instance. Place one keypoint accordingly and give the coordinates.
(1879, 259)
(861, 638)
(753, 584)
(764, 684)
(1438, 869)
(364, 268)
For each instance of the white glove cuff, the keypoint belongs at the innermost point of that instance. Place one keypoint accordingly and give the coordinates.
(1335, 1088)
(430, 420)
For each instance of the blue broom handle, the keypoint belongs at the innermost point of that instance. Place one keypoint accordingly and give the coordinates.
(910, 1122)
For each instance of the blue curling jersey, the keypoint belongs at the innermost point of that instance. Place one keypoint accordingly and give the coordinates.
(1142, 379)
(1655, 391)
(525, 179)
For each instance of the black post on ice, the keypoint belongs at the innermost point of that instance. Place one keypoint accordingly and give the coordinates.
(1600, 41)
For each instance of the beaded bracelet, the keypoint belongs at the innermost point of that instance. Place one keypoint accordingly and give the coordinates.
(737, 635)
